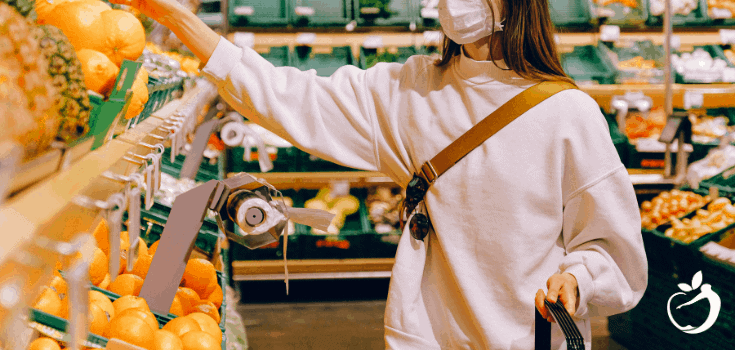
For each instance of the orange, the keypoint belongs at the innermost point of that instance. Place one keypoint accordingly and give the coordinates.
(99, 72)
(44, 344)
(77, 20)
(207, 323)
(105, 282)
(130, 329)
(126, 284)
(176, 307)
(122, 36)
(153, 248)
(209, 309)
(98, 319)
(64, 311)
(49, 302)
(129, 302)
(216, 297)
(140, 94)
(198, 276)
(99, 267)
(142, 251)
(189, 298)
(211, 287)
(165, 340)
(103, 302)
(200, 340)
(59, 266)
(102, 231)
(45, 8)
(59, 286)
(142, 265)
(182, 325)
(144, 315)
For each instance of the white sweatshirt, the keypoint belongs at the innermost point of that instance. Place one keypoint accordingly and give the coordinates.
(546, 194)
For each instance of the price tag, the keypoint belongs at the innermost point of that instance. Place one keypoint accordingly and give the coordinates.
(719, 13)
(351, 26)
(428, 12)
(306, 38)
(609, 33)
(243, 39)
(373, 42)
(675, 42)
(304, 11)
(433, 37)
(727, 36)
(693, 99)
(728, 75)
(244, 10)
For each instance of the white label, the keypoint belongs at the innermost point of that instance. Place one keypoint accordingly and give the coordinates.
(373, 42)
(351, 26)
(675, 42)
(727, 36)
(728, 75)
(369, 10)
(244, 10)
(693, 99)
(306, 38)
(609, 33)
(304, 11)
(718, 13)
(243, 39)
(433, 37)
(427, 12)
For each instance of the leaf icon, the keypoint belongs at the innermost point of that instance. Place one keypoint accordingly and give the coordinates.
(685, 287)
(697, 280)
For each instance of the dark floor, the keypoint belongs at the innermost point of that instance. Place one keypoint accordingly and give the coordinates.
(329, 315)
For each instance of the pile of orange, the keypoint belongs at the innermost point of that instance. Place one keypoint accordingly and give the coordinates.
(103, 38)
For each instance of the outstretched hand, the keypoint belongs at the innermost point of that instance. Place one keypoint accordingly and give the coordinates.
(561, 287)
(158, 10)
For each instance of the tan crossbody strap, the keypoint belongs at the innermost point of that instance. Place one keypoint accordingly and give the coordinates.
(487, 127)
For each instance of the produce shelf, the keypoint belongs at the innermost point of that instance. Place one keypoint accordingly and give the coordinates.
(312, 269)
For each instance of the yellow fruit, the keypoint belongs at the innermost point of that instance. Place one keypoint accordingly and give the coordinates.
(105, 282)
(59, 286)
(142, 265)
(129, 302)
(208, 308)
(49, 302)
(99, 267)
(216, 297)
(45, 8)
(126, 284)
(198, 275)
(99, 72)
(101, 232)
(98, 319)
(140, 95)
(182, 325)
(200, 340)
(77, 20)
(131, 329)
(44, 344)
(188, 297)
(144, 315)
(177, 308)
(64, 311)
(103, 302)
(123, 36)
(207, 324)
(165, 340)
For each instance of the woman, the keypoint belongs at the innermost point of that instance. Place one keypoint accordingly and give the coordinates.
(545, 201)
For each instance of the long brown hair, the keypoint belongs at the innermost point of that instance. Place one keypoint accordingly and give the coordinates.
(527, 41)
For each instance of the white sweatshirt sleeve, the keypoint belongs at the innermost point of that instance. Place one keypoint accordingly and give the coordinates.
(602, 224)
(330, 117)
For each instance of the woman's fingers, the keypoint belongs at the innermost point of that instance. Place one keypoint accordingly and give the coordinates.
(542, 307)
(555, 283)
(567, 297)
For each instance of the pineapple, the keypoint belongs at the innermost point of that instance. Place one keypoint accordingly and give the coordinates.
(26, 66)
(68, 79)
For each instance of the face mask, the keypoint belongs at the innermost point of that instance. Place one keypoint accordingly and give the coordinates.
(466, 21)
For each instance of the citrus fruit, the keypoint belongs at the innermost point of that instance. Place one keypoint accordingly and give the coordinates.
(216, 297)
(102, 231)
(99, 72)
(198, 275)
(211, 287)
(128, 302)
(59, 286)
(208, 308)
(207, 324)
(152, 249)
(142, 265)
(123, 36)
(45, 8)
(44, 344)
(49, 302)
(98, 319)
(103, 302)
(177, 308)
(189, 298)
(140, 94)
(144, 315)
(182, 325)
(126, 284)
(77, 20)
(130, 329)
(200, 340)
(165, 340)
(105, 282)
(99, 267)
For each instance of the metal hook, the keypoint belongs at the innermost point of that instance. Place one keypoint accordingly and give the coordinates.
(128, 159)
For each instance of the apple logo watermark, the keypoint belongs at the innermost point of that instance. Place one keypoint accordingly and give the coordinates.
(705, 293)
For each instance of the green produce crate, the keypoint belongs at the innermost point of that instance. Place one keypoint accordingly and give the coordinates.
(206, 171)
(716, 52)
(210, 12)
(645, 49)
(387, 12)
(107, 113)
(722, 181)
(160, 92)
(278, 56)
(370, 57)
(589, 63)
(698, 17)
(570, 13)
(621, 15)
(325, 64)
(61, 325)
(325, 12)
(287, 160)
(258, 13)
(717, 19)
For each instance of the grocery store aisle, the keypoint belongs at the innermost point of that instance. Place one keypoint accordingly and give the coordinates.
(330, 315)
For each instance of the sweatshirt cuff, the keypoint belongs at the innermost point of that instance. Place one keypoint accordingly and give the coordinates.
(585, 285)
(224, 58)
